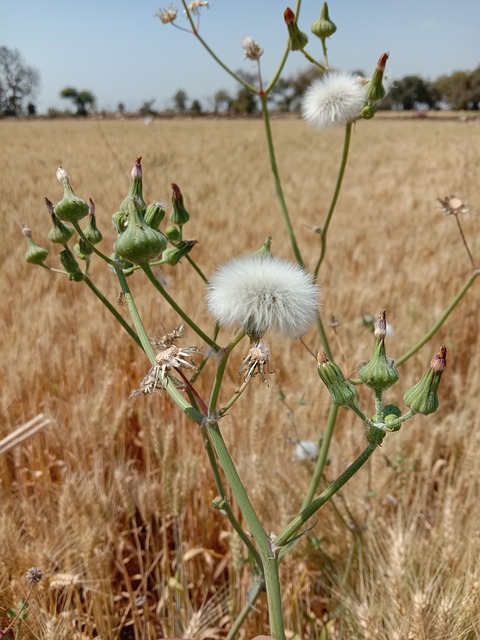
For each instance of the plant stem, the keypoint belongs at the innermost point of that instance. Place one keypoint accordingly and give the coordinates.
(150, 275)
(225, 505)
(269, 559)
(313, 61)
(276, 177)
(108, 260)
(212, 405)
(330, 491)
(112, 310)
(137, 321)
(470, 280)
(464, 240)
(322, 456)
(336, 193)
(323, 337)
(214, 55)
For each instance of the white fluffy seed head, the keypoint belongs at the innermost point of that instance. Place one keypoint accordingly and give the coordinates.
(258, 293)
(333, 100)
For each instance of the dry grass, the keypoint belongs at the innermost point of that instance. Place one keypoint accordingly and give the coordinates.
(113, 500)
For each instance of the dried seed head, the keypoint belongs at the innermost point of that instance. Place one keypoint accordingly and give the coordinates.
(256, 361)
(453, 205)
(33, 575)
(167, 15)
(253, 51)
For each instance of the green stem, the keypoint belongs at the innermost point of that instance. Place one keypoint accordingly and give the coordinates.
(276, 177)
(470, 280)
(197, 268)
(279, 70)
(212, 405)
(108, 260)
(253, 593)
(224, 504)
(313, 61)
(330, 491)
(322, 456)
(269, 559)
(137, 321)
(324, 47)
(151, 276)
(214, 55)
(338, 186)
(112, 310)
(323, 337)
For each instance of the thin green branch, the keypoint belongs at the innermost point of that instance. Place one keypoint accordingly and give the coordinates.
(212, 405)
(276, 177)
(336, 193)
(470, 280)
(151, 276)
(297, 523)
(112, 310)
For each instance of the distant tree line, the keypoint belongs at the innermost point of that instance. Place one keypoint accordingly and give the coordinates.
(19, 85)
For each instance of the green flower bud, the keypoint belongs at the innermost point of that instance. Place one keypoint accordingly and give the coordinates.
(136, 187)
(71, 265)
(139, 243)
(154, 215)
(91, 231)
(60, 232)
(391, 410)
(172, 255)
(70, 207)
(422, 397)
(35, 254)
(119, 221)
(264, 250)
(342, 392)
(82, 249)
(368, 111)
(374, 87)
(323, 27)
(173, 233)
(179, 215)
(380, 373)
(298, 39)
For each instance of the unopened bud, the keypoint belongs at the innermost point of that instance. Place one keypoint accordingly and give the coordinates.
(380, 373)
(173, 233)
(35, 254)
(135, 190)
(264, 250)
(172, 255)
(70, 207)
(91, 231)
(59, 233)
(422, 397)
(323, 27)
(120, 221)
(179, 215)
(374, 87)
(71, 265)
(298, 39)
(342, 392)
(154, 214)
(139, 243)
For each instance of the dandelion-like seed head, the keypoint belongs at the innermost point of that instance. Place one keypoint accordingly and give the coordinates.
(167, 15)
(259, 293)
(253, 51)
(333, 100)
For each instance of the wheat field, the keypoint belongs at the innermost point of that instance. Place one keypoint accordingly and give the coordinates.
(112, 500)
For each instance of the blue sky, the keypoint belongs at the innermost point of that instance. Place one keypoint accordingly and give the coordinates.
(121, 52)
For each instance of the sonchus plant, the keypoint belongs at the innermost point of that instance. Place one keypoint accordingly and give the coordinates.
(251, 296)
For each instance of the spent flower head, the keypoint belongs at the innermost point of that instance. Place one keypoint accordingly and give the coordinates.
(333, 100)
(259, 294)
(453, 205)
(253, 51)
(256, 361)
(167, 15)
(172, 357)
(196, 5)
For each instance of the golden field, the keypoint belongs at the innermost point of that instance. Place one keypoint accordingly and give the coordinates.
(112, 500)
